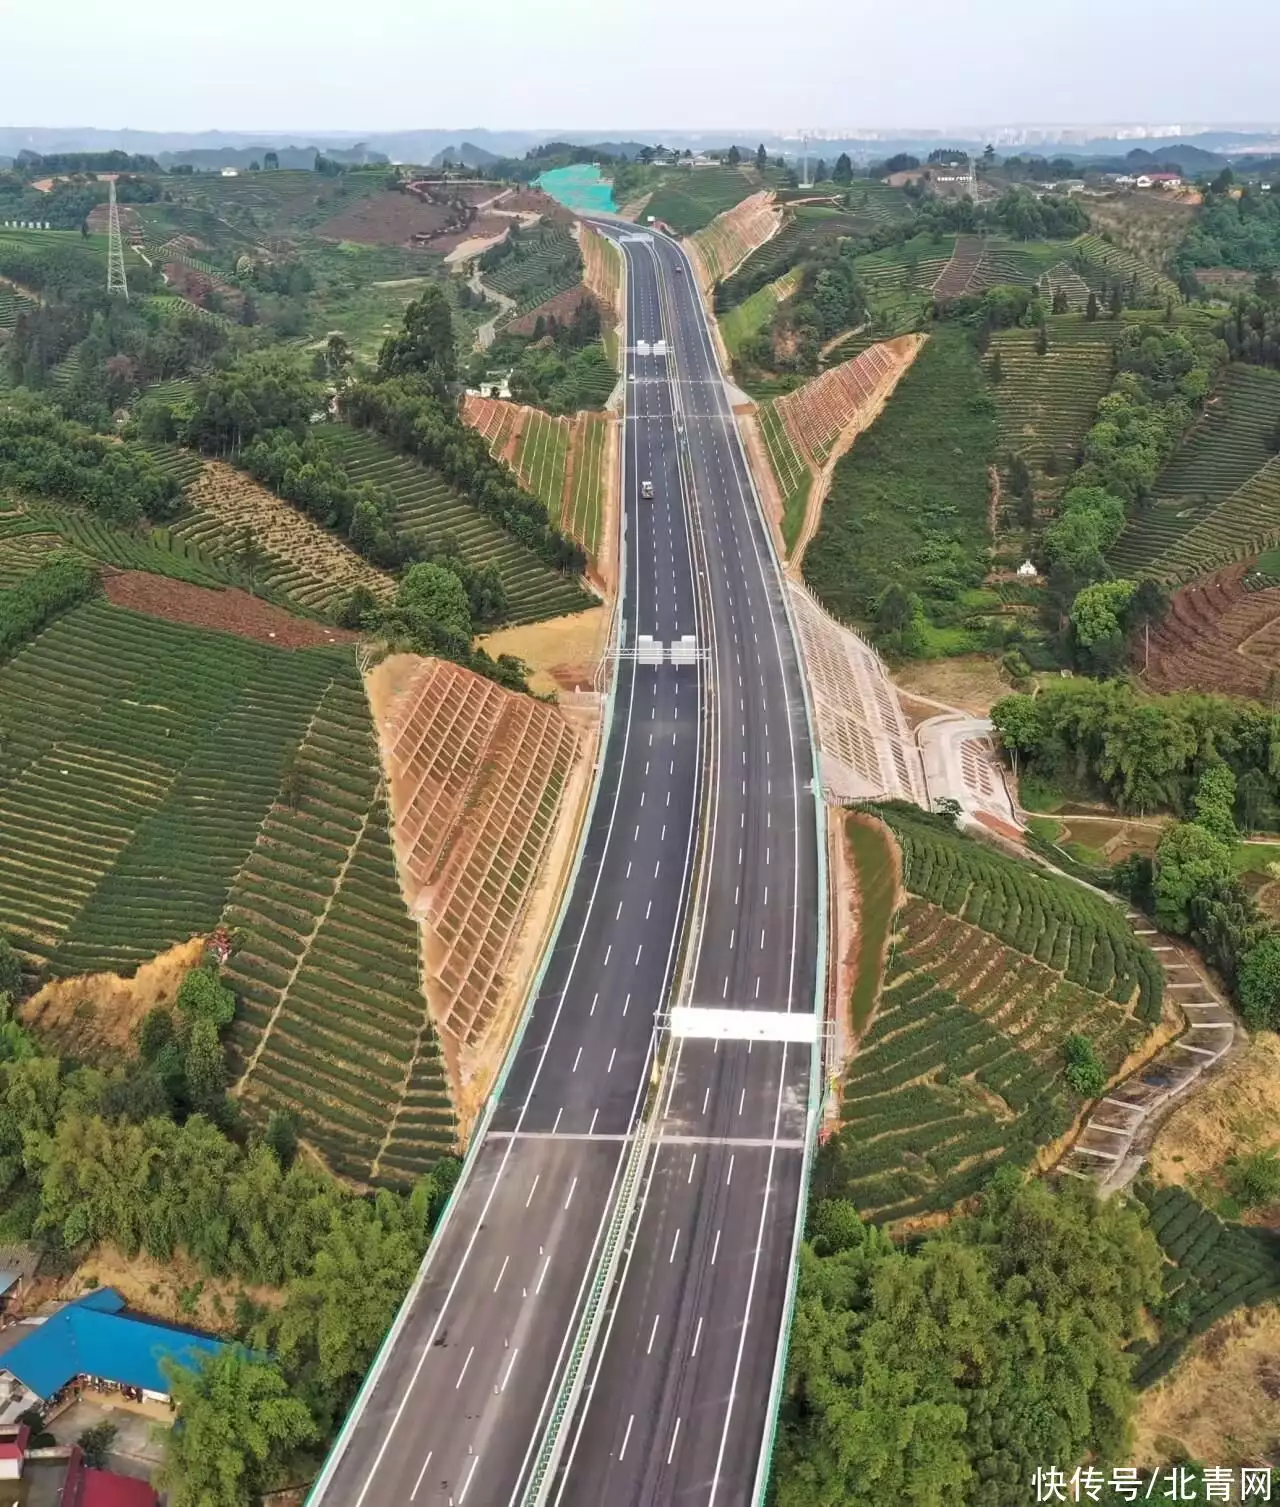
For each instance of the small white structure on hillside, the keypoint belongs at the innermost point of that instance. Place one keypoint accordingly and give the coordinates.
(1027, 571)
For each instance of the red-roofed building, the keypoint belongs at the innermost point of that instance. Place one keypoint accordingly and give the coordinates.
(102, 1488)
(13, 1449)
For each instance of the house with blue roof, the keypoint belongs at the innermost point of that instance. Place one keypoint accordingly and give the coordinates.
(95, 1340)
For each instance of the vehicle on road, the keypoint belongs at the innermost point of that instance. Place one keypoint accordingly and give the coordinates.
(646, 489)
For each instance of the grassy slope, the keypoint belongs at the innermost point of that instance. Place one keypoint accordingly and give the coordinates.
(909, 501)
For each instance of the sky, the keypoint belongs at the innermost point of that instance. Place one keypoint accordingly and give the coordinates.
(635, 65)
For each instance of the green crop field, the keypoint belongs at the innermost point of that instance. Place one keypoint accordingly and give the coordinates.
(912, 267)
(331, 1021)
(689, 198)
(792, 474)
(1108, 261)
(427, 507)
(960, 1071)
(1214, 482)
(1046, 403)
(745, 320)
(1214, 1267)
(546, 262)
(914, 489)
(141, 781)
(139, 757)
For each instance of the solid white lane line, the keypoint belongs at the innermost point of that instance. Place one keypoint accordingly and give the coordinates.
(572, 1186)
(592, 1126)
(502, 1273)
(612, 1055)
(674, 1437)
(742, 1099)
(697, 1336)
(510, 1367)
(729, 1177)
(608, 950)
(626, 1002)
(556, 1126)
(595, 1000)
(577, 1059)
(706, 1099)
(671, 1258)
(465, 1364)
(648, 1349)
(715, 1248)
(533, 1189)
(546, 1263)
(692, 1165)
(626, 1436)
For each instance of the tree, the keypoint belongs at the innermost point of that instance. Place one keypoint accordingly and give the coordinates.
(1259, 985)
(1190, 863)
(1254, 1180)
(95, 1442)
(438, 595)
(1091, 306)
(843, 170)
(1097, 621)
(338, 356)
(995, 370)
(202, 997)
(205, 1066)
(10, 969)
(1214, 802)
(1084, 1072)
(762, 158)
(270, 160)
(1042, 339)
(249, 555)
(733, 157)
(820, 171)
(282, 1137)
(238, 1429)
(425, 342)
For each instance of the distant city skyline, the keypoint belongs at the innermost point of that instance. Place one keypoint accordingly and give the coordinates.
(395, 66)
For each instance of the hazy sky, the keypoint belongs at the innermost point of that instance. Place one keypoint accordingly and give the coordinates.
(635, 64)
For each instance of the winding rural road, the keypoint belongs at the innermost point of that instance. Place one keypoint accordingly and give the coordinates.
(615, 1145)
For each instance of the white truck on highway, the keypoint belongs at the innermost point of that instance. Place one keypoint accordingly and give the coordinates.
(646, 489)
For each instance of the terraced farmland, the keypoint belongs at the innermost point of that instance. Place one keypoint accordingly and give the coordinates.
(960, 1070)
(1114, 262)
(913, 267)
(957, 276)
(1213, 501)
(548, 262)
(295, 556)
(11, 305)
(745, 320)
(582, 513)
(139, 757)
(1047, 403)
(427, 507)
(819, 413)
(1221, 634)
(332, 1021)
(689, 198)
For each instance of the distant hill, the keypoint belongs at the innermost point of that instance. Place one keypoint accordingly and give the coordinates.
(466, 155)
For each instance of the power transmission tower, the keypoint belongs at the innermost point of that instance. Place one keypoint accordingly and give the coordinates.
(116, 281)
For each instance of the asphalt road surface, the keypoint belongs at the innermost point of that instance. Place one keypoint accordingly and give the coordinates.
(706, 761)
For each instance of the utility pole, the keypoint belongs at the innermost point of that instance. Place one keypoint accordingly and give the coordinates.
(116, 280)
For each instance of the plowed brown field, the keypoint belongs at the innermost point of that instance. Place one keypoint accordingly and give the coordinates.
(229, 611)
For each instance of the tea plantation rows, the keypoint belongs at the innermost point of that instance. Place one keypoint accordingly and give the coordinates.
(1063, 926)
(156, 779)
(1214, 1267)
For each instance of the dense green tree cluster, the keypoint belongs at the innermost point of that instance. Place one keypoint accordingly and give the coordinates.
(262, 391)
(1212, 759)
(1144, 753)
(60, 582)
(44, 454)
(952, 1372)
(1163, 376)
(1251, 332)
(424, 345)
(1239, 232)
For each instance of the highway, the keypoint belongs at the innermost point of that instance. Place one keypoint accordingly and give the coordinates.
(702, 832)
